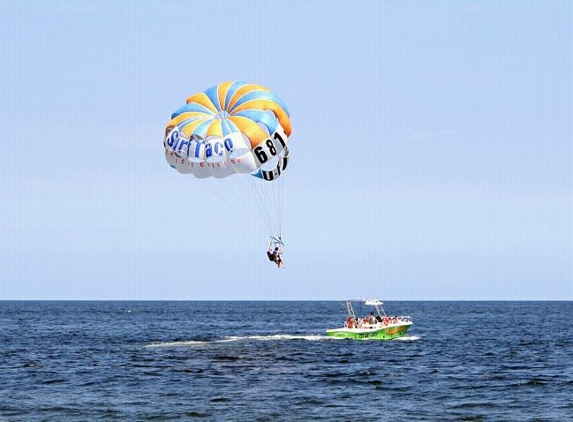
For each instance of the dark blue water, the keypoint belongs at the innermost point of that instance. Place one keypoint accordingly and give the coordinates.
(267, 361)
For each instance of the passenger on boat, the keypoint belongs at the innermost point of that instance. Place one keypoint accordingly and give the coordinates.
(350, 322)
(372, 318)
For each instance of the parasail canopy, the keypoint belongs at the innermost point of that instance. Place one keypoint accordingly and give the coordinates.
(231, 128)
(229, 131)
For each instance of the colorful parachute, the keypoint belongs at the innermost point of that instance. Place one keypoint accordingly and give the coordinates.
(234, 129)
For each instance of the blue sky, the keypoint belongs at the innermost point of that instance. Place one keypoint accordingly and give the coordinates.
(432, 153)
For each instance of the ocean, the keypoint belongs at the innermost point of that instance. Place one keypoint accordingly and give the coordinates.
(271, 361)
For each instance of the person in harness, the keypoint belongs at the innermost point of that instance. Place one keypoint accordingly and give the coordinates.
(274, 255)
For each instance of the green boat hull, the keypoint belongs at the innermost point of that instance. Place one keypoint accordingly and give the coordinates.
(386, 333)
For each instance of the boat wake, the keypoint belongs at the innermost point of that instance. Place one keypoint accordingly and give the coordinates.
(178, 344)
(275, 337)
(270, 337)
(408, 338)
(234, 339)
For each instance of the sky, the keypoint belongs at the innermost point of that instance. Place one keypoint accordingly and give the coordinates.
(431, 153)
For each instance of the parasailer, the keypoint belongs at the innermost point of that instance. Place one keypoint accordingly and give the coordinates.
(233, 131)
(274, 255)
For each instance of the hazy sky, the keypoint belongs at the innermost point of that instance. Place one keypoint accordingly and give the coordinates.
(432, 152)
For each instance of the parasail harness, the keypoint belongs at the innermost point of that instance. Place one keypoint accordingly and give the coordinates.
(275, 241)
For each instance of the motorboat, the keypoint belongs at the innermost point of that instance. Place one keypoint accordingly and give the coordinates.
(375, 326)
